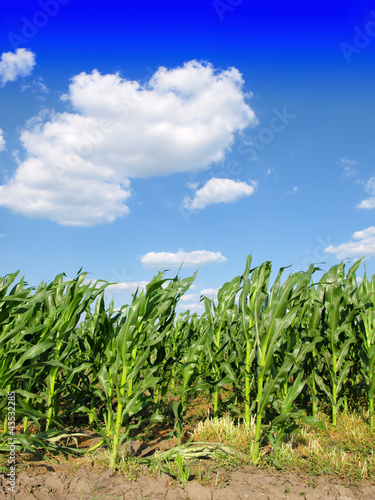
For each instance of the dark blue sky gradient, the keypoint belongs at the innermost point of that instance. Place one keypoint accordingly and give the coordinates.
(275, 31)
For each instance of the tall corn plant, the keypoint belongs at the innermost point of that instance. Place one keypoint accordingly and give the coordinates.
(309, 323)
(165, 324)
(11, 309)
(145, 326)
(177, 340)
(306, 328)
(192, 369)
(367, 342)
(69, 302)
(20, 342)
(219, 318)
(276, 316)
(295, 348)
(45, 334)
(338, 336)
(100, 367)
(252, 300)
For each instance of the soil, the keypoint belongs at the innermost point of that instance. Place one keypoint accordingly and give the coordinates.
(83, 479)
(45, 482)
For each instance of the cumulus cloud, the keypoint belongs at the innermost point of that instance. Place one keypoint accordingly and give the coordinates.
(126, 287)
(78, 164)
(198, 308)
(369, 203)
(363, 246)
(189, 259)
(210, 292)
(189, 297)
(348, 166)
(2, 141)
(192, 301)
(16, 64)
(219, 191)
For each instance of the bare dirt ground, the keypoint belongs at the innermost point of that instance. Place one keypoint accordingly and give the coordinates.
(86, 479)
(44, 481)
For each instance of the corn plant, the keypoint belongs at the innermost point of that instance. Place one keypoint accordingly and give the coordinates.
(219, 318)
(338, 336)
(144, 327)
(309, 323)
(269, 326)
(190, 370)
(65, 354)
(252, 300)
(367, 342)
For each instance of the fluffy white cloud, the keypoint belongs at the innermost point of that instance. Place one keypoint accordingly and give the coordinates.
(189, 297)
(210, 292)
(78, 165)
(2, 141)
(369, 203)
(364, 246)
(219, 191)
(192, 301)
(16, 64)
(198, 308)
(126, 287)
(189, 259)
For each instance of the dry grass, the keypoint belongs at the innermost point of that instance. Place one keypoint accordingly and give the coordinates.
(224, 430)
(345, 450)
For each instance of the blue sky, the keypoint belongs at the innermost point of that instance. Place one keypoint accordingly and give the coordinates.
(135, 135)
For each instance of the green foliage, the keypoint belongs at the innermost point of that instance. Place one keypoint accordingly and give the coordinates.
(269, 353)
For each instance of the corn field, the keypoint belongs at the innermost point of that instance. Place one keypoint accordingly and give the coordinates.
(274, 353)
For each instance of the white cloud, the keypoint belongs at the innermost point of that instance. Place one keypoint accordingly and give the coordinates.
(126, 287)
(2, 141)
(348, 165)
(364, 246)
(210, 292)
(293, 191)
(219, 191)
(369, 203)
(189, 259)
(366, 233)
(78, 165)
(198, 308)
(189, 297)
(16, 64)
